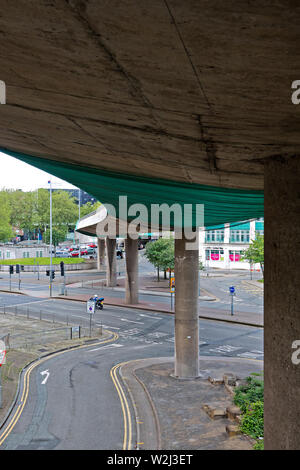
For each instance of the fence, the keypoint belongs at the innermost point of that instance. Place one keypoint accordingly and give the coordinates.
(70, 329)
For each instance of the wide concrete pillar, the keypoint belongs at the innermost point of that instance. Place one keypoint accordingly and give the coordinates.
(131, 284)
(100, 253)
(282, 301)
(111, 265)
(186, 310)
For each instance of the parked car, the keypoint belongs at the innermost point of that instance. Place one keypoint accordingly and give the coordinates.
(62, 253)
(74, 253)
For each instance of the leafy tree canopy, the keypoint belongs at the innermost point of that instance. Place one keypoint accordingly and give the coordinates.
(161, 253)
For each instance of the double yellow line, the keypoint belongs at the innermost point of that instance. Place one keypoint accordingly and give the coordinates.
(24, 396)
(127, 441)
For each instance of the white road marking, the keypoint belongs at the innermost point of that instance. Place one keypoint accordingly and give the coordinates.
(106, 347)
(26, 303)
(47, 373)
(225, 349)
(109, 327)
(131, 321)
(149, 316)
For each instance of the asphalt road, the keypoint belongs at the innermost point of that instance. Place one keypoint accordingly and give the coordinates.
(78, 407)
(248, 298)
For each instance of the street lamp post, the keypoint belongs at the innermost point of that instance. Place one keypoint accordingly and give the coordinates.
(50, 238)
(79, 202)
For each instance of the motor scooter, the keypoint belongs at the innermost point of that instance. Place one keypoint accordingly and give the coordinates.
(98, 302)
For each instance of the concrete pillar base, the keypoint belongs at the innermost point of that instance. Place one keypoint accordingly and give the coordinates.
(186, 310)
(100, 254)
(111, 269)
(132, 282)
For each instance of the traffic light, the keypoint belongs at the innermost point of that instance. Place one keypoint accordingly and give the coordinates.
(22, 267)
(17, 268)
(11, 269)
(52, 274)
(62, 268)
(47, 272)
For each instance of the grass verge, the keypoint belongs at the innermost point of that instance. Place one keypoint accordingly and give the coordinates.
(41, 261)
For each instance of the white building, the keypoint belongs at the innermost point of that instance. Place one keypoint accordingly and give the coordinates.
(223, 247)
(20, 250)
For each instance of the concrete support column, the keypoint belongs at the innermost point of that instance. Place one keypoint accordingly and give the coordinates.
(100, 253)
(186, 310)
(111, 264)
(131, 284)
(252, 230)
(226, 258)
(226, 233)
(282, 300)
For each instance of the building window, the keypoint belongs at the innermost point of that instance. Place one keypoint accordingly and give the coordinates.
(214, 236)
(8, 254)
(235, 255)
(239, 236)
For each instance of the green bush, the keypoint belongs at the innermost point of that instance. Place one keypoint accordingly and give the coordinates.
(252, 422)
(251, 392)
(250, 398)
(259, 445)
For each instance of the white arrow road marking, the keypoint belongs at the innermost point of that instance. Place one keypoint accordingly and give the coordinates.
(47, 373)
(131, 321)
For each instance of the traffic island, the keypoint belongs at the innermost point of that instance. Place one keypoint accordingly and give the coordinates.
(188, 414)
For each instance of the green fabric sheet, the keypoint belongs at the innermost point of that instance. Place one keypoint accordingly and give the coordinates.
(221, 205)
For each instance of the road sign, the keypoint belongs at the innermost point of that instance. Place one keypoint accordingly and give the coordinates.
(2, 353)
(90, 306)
(172, 284)
(232, 289)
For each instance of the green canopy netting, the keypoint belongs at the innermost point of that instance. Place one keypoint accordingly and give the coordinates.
(221, 205)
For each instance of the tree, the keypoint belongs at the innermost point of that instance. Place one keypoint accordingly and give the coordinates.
(5, 225)
(255, 252)
(59, 234)
(22, 209)
(161, 254)
(89, 207)
(64, 210)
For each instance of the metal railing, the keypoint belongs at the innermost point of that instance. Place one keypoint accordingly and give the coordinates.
(69, 330)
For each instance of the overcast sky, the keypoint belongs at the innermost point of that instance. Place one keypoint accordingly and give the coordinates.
(15, 174)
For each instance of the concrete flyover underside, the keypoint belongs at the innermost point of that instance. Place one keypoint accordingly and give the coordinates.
(193, 92)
